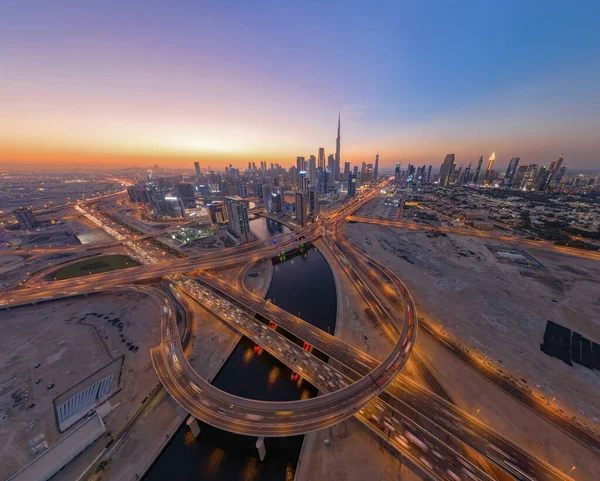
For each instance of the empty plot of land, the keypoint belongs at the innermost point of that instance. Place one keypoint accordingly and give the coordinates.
(48, 348)
(498, 309)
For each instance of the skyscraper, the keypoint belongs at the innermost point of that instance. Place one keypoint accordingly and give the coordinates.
(312, 169)
(477, 177)
(331, 167)
(237, 218)
(376, 169)
(267, 190)
(197, 168)
(336, 174)
(556, 172)
(300, 167)
(446, 170)
(351, 186)
(322, 158)
(511, 171)
(301, 212)
(313, 201)
(346, 170)
(488, 170)
(397, 174)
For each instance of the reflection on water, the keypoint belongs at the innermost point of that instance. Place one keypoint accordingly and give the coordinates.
(265, 228)
(307, 287)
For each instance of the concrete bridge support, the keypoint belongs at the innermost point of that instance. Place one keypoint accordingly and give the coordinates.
(262, 450)
(192, 423)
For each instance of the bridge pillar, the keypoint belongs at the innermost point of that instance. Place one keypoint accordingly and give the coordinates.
(262, 451)
(192, 423)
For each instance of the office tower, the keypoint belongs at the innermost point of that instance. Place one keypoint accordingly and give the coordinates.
(530, 176)
(511, 170)
(322, 158)
(517, 179)
(313, 202)
(185, 192)
(276, 201)
(323, 180)
(363, 166)
(446, 170)
(303, 181)
(301, 213)
(331, 166)
(429, 175)
(541, 178)
(488, 170)
(164, 205)
(243, 190)
(300, 167)
(312, 169)
(397, 174)
(217, 212)
(467, 175)
(237, 218)
(267, 190)
(557, 180)
(249, 165)
(197, 168)
(351, 186)
(477, 177)
(346, 170)
(367, 173)
(336, 174)
(376, 169)
(26, 218)
(555, 176)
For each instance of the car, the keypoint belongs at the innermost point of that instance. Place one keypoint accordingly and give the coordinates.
(50, 386)
(37, 381)
(37, 365)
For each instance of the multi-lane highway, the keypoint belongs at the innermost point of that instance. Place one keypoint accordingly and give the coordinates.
(359, 380)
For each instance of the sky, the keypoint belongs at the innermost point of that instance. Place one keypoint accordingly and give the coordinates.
(118, 83)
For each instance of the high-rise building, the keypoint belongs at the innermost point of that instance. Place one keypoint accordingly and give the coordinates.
(217, 212)
(517, 180)
(336, 173)
(429, 175)
(267, 190)
(312, 169)
(26, 218)
(185, 192)
(276, 201)
(303, 182)
(313, 202)
(477, 178)
(237, 218)
(487, 178)
(301, 208)
(346, 170)
(351, 186)
(322, 181)
(197, 168)
(397, 174)
(446, 170)
(555, 175)
(322, 158)
(300, 167)
(165, 205)
(376, 169)
(331, 166)
(530, 176)
(511, 170)
(355, 171)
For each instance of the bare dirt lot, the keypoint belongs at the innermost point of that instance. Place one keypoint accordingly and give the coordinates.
(68, 351)
(500, 310)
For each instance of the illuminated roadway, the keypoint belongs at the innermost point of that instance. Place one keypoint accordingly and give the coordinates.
(320, 414)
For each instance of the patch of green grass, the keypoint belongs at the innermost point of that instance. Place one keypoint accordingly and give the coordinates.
(94, 266)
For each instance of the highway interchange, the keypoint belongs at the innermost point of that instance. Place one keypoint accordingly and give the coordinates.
(351, 390)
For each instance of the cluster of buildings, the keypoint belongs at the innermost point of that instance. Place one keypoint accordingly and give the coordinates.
(296, 191)
(521, 177)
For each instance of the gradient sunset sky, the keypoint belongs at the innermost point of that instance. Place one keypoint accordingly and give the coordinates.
(137, 83)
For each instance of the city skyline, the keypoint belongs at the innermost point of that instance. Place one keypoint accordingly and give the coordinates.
(272, 85)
